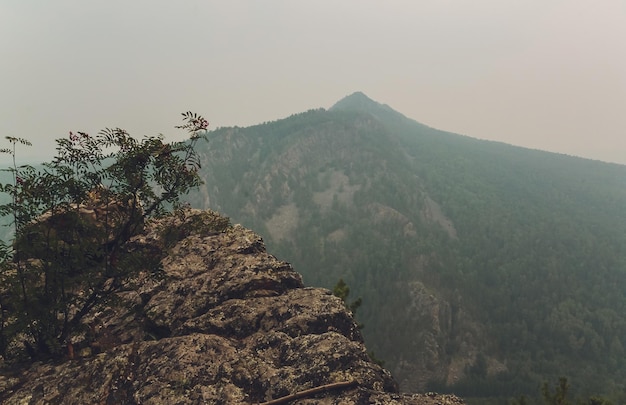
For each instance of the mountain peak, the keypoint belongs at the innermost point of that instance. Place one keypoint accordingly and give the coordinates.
(358, 101)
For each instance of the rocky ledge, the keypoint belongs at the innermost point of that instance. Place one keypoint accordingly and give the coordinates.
(227, 323)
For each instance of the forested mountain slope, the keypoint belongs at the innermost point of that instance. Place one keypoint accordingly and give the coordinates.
(484, 268)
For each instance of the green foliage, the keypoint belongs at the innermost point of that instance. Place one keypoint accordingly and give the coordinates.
(342, 291)
(74, 222)
(559, 397)
(521, 401)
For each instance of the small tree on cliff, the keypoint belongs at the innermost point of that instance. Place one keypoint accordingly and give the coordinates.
(342, 291)
(73, 223)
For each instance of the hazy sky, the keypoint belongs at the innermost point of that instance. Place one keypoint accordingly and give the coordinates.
(543, 74)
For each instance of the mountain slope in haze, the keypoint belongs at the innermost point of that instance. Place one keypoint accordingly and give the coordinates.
(484, 268)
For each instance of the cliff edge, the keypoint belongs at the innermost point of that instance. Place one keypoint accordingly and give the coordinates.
(227, 323)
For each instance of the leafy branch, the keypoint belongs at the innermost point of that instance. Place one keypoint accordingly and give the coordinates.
(74, 223)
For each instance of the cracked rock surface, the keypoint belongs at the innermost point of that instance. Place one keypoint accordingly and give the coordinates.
(227, 323)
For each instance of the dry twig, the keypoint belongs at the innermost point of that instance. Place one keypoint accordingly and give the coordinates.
(310, 391)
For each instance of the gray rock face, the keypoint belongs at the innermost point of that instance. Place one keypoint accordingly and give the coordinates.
(227, 324)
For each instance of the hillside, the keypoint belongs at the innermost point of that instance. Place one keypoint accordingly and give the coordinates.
(484, 268)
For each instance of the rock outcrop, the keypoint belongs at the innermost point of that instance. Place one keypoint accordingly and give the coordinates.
(227, 323)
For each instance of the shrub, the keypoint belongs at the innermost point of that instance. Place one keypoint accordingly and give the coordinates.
(74, 220)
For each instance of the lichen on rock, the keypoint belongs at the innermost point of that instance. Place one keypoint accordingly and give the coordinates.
(227, 323)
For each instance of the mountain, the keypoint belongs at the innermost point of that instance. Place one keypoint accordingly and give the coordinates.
(484, 268)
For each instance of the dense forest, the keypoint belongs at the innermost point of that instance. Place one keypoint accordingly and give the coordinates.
(484, 269)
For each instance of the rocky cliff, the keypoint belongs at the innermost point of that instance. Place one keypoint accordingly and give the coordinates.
(227, 323)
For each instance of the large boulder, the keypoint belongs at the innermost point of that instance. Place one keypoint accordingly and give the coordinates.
(227, 323)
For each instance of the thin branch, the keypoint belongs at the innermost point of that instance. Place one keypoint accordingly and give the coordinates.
(310, 391)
